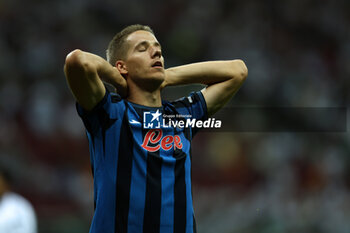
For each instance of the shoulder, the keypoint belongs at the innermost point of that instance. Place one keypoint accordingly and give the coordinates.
(15, 200)
(15, 209)
(115, 98)
(111, 102)
(191, 99)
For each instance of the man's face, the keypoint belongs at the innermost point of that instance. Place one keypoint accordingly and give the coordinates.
(144, 61)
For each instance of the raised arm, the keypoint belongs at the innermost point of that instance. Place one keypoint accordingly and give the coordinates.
(223, 78)
(85, 73)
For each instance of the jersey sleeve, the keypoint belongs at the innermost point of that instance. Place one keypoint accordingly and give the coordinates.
(105, 111)
(194, 106)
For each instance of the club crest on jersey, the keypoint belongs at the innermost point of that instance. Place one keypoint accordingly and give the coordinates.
(154, 140)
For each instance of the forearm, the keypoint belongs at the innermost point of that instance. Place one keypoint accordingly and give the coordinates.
(105, 71)
(207, 73)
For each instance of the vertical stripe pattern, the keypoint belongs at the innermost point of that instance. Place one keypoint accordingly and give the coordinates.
(151, 221)
(124, 167)
(168, 180)
(180, 195)
(137, 191)
(138, 180)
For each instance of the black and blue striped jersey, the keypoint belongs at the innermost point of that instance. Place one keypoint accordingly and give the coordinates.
(141, 165)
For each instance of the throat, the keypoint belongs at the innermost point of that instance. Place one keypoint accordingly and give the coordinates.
(149, 99)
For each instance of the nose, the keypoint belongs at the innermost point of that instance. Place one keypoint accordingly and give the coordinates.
(156, 52)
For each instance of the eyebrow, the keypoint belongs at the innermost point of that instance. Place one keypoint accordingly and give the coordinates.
(146, 43)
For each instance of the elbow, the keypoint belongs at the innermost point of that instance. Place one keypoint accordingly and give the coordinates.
(244, 71)
(241, 70)
(76, 60)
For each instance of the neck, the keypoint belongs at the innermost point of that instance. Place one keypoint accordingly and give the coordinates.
(146, 98)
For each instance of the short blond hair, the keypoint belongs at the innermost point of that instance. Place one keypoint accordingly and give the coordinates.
(118, 47)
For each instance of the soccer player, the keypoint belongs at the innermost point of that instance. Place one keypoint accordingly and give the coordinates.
(141, 167)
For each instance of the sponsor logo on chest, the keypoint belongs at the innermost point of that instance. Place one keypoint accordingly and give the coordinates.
(154, 140)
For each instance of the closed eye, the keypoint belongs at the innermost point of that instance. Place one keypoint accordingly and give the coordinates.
(144, 45)
(141, 47)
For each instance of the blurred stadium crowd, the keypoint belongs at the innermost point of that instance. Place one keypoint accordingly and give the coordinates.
(297, 53)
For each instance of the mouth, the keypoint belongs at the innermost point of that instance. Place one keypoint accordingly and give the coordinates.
(157, 64)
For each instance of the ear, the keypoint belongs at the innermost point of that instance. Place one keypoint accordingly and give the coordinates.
(121, 66)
